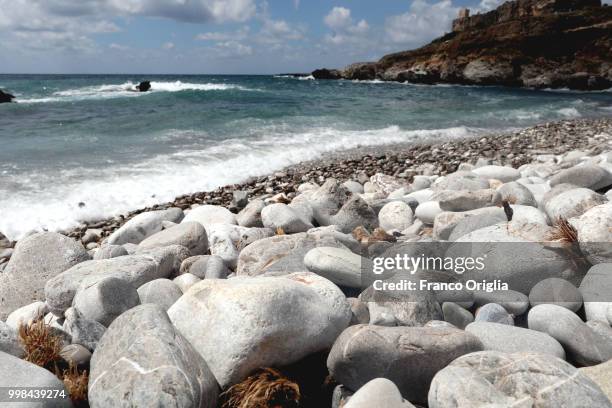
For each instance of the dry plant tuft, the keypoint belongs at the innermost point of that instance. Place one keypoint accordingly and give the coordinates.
(76, 383)
(361, 234)
(563, 231)
(380, 234)
(42, 347)
(265, 388)
(280, 231)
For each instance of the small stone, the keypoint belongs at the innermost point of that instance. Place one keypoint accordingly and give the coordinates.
(186, 281)
(75, 354)
(496, 379)
(558, 292)
(456, 315)
(511, 339)
(106, 300)
(162, 292)
(494, 313)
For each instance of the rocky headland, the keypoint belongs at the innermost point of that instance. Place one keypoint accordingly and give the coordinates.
(528, 43)
(254, 295)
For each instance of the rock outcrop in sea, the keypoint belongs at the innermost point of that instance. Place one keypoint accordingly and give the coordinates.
(6, 97)
(527, 43)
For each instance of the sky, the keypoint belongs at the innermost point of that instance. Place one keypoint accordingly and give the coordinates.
(214, 36)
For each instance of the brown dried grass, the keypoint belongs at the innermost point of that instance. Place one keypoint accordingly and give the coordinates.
(265, 388)
(76, 383)
(563, 231)
(280, 231)
(42, 347)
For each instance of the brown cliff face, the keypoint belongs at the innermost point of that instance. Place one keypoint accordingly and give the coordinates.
(531, 43)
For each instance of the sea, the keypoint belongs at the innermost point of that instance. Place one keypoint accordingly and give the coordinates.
(91, 139)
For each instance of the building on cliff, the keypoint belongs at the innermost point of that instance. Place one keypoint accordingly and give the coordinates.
(513, 10)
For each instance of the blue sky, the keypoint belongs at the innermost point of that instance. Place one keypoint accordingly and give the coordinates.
(213, 36)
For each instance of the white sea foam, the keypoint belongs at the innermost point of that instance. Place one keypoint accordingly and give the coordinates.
(128, 89)
(571, 113)
(50, 201)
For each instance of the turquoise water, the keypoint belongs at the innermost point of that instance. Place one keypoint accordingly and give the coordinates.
(72, 139)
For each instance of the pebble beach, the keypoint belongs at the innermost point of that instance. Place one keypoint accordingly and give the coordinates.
(255, 294)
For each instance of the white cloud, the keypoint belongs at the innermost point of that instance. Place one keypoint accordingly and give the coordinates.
(168, 45)
(344, 30)
(338, 18)
(118, 47)
(422, 23)
(68, 24)
(232, 49)
(238, 35)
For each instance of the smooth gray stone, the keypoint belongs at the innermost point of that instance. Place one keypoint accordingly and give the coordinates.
(191, 235)
(106, 300)
(208, 215)
(515, 254)
(511, 339)
(186, 281)
(514, 193)
(493, 313)
(387, 184)
(27, 315)
(456, 315)
(589, 176)
(339, 265)
(250, 216)
(83, 331)
(354, 213)
(252, 322)
(572, 203)
(558, 292)
(380, 393)
(143, 361)
(461, 180)
(501, 173)
(410, 308)
(353, 186)
(9, 341)
(596, 290)
(162, 292)
(496, 379)
(281, 216)
(428, 211)
(188, 263)
(143, 225)
(601, 374)
(110, 251)
(581, 343)
(135, 269)
(595, 234)
(17, 373)
(514, 302)
(600, 327)
(75, 354)
(464, 200)
(327, 200)
(408, 356)
(395, 216)
(36, 259)
(209, 267)
(281, 253)
(473, 223)
(360, 313)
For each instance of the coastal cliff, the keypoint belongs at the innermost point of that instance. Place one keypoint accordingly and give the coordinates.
(530, 43)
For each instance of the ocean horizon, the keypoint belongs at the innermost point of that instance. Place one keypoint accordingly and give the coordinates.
(86, 147)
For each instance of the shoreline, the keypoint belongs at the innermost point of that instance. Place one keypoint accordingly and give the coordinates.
(404, 160)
